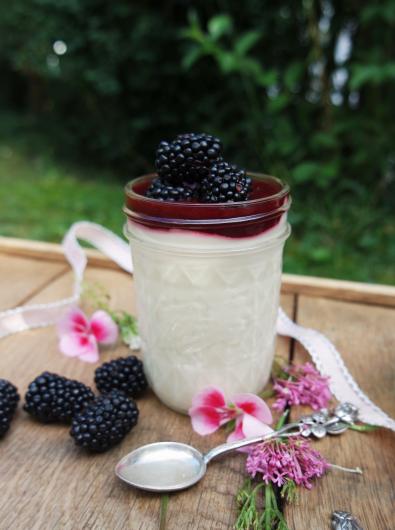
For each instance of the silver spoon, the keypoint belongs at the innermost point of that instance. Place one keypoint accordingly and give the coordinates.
(172, 466)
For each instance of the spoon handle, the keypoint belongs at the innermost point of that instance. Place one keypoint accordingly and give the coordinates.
(226, 448)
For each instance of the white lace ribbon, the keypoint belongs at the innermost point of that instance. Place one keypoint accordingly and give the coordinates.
(322, 351)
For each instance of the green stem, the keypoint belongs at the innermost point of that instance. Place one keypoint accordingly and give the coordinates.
(366, 427)
(266, 394)
(164, 503)
(282, 420)
(268, 507)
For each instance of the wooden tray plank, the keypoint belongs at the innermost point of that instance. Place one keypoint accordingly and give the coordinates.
(365, 337)
(21, 277)
(47, 482)
(49, 252)
(292, 283)
(363, 293)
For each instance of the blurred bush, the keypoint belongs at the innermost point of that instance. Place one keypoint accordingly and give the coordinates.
(302, 87)
(303, 90)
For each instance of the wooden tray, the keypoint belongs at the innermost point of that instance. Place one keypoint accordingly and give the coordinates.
(48, 483)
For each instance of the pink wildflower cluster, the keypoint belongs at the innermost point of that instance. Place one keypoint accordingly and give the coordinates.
(210, 410)
(279, 461)
(306, 386)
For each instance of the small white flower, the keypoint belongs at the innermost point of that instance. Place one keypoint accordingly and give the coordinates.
(132, 340)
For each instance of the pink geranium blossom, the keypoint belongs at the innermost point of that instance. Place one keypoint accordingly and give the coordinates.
(80, 336)
(305, 386)
(279, 461)
(210, 410)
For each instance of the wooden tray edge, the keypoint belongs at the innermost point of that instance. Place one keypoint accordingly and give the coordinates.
(365, 293)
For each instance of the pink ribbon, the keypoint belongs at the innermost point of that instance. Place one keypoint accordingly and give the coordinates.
(326, 357)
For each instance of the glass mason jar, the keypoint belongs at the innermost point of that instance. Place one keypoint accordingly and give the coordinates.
(207, 280)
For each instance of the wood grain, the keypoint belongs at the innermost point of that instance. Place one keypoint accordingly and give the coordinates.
(44, 251)
(365, 337)
(364, 293)
(48, 483)
(291, 283)
(21, 277)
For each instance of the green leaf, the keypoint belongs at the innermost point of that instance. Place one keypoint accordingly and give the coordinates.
(321, 254)
(267, 78)
(306, 172)
(227, 61)
(219, 26)
(293, 75)
(324, 140)
(247, 41)
(191, 57)
(384, 12)
(278, 103)
(371, 73)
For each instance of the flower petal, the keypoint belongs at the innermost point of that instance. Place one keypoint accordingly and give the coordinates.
(79, 345)
(205, 420)
(252, 427)
(237, 434)
(91, 355)
(69, 345)
(103, 327)
(73, 321)
(211, 396)
(253, 405)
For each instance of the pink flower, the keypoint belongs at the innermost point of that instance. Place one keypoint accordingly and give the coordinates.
(305, 386)
(210, 411)
(279, 461)
(79, 336)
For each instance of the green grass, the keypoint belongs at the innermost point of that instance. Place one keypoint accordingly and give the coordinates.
(41, 196)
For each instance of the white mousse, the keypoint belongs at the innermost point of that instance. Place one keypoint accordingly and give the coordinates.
(207, 309)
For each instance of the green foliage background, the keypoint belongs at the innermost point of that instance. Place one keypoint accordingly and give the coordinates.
(303, 90)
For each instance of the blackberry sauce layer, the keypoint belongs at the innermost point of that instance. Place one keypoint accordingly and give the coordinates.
(268, 202)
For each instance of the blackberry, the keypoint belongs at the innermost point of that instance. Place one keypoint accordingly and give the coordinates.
(226, 183)
(163, 191)
(9, 398)
(53, 398)
(104, 422)
(188, 158)
(125, 374)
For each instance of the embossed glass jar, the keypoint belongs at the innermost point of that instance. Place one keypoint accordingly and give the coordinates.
(207, 279)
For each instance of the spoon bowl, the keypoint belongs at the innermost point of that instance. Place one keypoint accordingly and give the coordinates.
(162, 466)
(172, 466)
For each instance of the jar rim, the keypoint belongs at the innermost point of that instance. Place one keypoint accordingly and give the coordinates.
(283, 192)
(275, 201)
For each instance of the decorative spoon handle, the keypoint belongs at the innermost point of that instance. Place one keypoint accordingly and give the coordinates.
(318, 424)
(291, 429)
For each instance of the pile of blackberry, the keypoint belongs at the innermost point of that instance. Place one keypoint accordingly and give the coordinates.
(191, 168)
(9, 398)
(98, 423)
(53, 398)
(104, 422)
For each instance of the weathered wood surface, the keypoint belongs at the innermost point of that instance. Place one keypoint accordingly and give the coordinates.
(292, 283)
(365, 336)
(47, 483)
